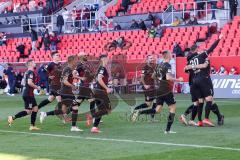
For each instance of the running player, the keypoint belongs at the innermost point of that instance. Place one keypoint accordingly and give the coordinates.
(147, 81)
(28, 97)
(54, 70)
(100, 94)
(165, 79)
(202, 82)
(86, 76)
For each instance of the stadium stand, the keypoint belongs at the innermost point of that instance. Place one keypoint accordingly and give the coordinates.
(93, 43)
(146, 6)
(230, 44)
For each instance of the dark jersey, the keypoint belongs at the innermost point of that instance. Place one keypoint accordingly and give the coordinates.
(28, 90)
(190, 72)
(147, 72)
(161, 74)
(102, 71)
(85, 72)
(55, 70)
(67, 73)
(201, 59)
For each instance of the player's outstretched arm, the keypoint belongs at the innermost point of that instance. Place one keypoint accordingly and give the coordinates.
(170, 77)
(214, 45)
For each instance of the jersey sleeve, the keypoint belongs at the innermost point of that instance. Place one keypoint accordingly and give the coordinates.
(30, 75)
(66, 72)
(101, 71)
(168, 68)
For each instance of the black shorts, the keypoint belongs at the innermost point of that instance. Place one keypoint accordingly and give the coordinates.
(204, 85)
(195, 94)
(29, 102)
(68, 100)
(54, 92)
(85, 93)
(102, 102)
(169, 99)
(149, 94)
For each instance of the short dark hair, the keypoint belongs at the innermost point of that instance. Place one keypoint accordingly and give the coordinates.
(28, 62)
(102, 56)
(53, 53)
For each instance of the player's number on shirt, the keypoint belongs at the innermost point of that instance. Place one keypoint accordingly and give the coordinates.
(194, 62)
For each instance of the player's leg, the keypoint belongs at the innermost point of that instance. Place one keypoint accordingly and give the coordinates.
(208, 106)
(74, 118)
(45, 102)
(33, 114)
(215, 110)
(27, 111)
(170, 100)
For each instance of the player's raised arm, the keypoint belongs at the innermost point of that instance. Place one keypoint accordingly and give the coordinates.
(214, 45)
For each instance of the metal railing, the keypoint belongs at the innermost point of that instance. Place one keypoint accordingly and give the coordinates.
(70, 25)
(196, 9)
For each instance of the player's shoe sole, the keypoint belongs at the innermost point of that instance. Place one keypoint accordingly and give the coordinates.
(76, 129)
(95, 130)
(169, 132)
(207, 122)
(10, 121)
(34, 128)
(183, 120)
(135, 116)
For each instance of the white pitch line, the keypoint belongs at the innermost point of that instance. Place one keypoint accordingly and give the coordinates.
(124, 140)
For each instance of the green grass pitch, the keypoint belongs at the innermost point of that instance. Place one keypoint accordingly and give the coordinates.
(120, 139)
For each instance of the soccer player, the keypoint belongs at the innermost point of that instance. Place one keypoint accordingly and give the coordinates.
(148, 83)
(202, 82)
(195, 94)
(54, 70)
(28, 97)
(100, 94)
(86, 77)
(165, 79)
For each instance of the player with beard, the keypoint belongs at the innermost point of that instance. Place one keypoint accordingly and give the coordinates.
(54, 70)
(202, 82)
(101, 92)
(148, 83)
(165, 81)
(28, 96)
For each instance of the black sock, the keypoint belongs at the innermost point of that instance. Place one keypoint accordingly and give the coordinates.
(194, 113)
(92, 107)
(141, 106)
(50, 113)
(96, 122)
(33, 118)
(216, 111)
(189, 110)
(199, 111)
(170, 121)
(148, 111)
(74, 117)
(154, 106)
(59, 105)
(20, 114)
(208, 109)
(43, 103)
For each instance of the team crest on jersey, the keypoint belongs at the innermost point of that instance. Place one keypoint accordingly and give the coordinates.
(31, 76)
(101, 71)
